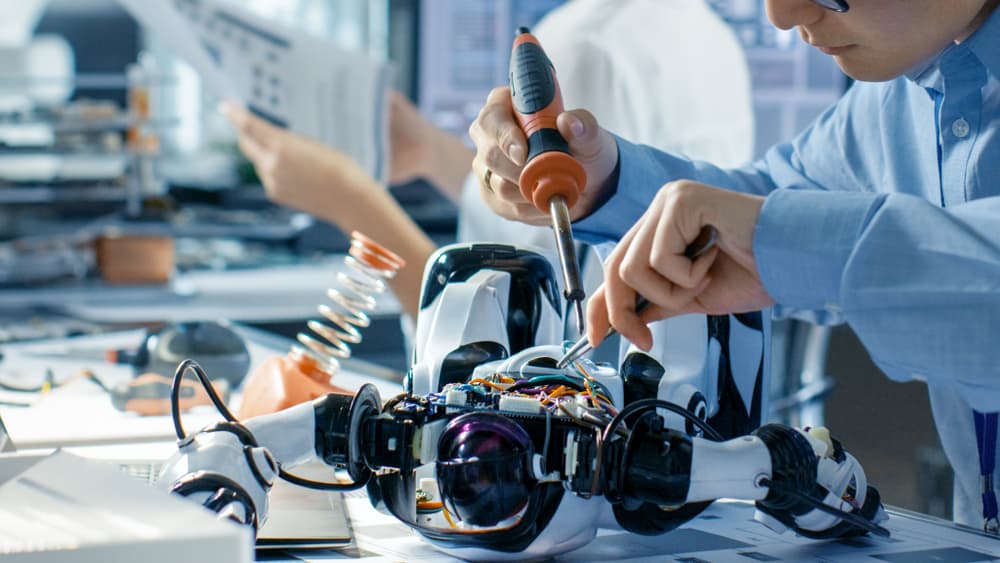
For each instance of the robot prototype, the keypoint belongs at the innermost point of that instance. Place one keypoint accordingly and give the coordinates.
(492, 453)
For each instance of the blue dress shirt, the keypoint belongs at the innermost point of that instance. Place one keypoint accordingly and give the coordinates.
(884, 213)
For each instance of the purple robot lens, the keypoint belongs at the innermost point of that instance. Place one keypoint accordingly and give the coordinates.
(484, 468)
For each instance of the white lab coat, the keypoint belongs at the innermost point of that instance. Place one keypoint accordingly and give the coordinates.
(670, 74)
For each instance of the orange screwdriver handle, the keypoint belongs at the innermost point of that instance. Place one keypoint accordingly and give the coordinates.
(537, 100)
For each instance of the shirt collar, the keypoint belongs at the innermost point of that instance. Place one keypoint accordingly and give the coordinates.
(984, 44)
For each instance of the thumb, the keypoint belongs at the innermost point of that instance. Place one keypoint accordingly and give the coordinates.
(580, 129)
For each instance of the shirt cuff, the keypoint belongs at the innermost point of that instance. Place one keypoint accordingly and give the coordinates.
(803, 241)
(637, 172)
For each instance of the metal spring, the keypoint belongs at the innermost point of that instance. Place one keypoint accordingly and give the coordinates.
(372, 265)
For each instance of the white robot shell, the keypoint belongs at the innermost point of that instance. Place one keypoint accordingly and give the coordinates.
(700, 362)
(474, 300)
(573, 525)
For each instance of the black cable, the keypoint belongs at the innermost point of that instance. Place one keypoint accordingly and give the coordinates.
(321, 485)
(849, 517)
(14, 404)
(175, 412)
(91, 376)
(18, 389)
(175, 395)
(50, 381)
(651, 404)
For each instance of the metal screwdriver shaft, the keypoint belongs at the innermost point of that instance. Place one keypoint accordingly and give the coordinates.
(567, 256)
(551, 179)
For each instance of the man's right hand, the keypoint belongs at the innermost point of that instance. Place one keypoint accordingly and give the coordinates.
(502, 149)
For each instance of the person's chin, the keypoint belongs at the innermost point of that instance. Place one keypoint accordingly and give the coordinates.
(866, 71)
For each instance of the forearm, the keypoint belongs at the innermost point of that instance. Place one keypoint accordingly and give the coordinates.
(643, 170)
(448, 164)
(374, 212)
(918, 283)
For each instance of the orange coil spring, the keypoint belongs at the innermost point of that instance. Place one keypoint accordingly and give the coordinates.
(370, 265)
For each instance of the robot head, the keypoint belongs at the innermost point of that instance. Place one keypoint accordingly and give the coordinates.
(480, 303)
(490, 479)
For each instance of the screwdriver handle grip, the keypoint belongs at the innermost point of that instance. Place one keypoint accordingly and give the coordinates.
(550, 170)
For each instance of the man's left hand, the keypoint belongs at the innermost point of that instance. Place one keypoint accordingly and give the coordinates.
(650, 261)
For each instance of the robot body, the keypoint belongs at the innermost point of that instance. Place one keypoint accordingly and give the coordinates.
(493, 454)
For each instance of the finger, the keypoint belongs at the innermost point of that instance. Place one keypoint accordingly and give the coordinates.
(654, 313)
(508, 132)
(661, 291)
(522, 212)
(530, 214)
(254, 152)
(249, 125)
(580, 129)
(490, 155)
(668, 253)
(502, 174)
(498, 137)
(507, 191)
(621, 297)
(636, 269)
(598, 322)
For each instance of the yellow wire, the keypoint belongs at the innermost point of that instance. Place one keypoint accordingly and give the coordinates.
(447, 516)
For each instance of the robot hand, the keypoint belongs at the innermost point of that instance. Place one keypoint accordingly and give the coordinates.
(230, 467)
(849, 506)
(802, 480)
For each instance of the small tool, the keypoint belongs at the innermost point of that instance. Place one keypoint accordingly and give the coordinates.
(702, 243)
(125, 356)
(551, 179)
(149, 394)
(215, 345)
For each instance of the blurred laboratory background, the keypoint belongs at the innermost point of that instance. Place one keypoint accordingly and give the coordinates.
(124, 198)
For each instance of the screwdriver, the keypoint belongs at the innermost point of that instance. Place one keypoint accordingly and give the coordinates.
(551, 179)
(699, 246)
(149, 394)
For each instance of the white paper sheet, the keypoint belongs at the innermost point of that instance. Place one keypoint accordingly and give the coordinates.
(724, 532)
(65, 508)
(81, 414)
(307, 84)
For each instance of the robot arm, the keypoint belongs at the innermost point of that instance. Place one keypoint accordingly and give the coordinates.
(230, 467)
(802, 480)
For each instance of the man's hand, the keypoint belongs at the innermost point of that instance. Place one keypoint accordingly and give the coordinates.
(650, 261)
(502, 150)
(297, 172)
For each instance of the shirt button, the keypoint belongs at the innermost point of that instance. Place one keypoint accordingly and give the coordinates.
(960, 127)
